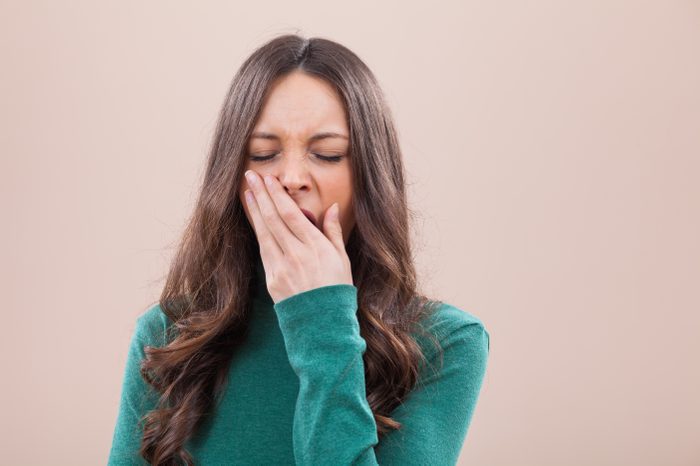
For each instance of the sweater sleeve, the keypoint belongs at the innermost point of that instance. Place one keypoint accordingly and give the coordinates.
(137, 397)
(333, 422)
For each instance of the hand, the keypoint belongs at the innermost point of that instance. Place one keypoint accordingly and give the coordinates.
(296, 255)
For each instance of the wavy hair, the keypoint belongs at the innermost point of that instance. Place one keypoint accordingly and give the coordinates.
(208, 289)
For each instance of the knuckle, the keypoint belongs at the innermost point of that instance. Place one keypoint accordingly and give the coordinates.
(287, 214)
(293, 257)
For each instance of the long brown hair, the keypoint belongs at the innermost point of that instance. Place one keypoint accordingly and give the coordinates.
(207, 294)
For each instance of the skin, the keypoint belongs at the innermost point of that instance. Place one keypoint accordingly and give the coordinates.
(297, 254)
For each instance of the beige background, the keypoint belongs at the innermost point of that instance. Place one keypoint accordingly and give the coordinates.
(553, 151)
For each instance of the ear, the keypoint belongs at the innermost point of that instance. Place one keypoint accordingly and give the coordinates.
(332, 227)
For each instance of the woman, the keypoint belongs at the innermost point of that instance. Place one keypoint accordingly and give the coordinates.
(290, 329)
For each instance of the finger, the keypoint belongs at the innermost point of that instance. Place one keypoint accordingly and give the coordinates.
(270, 251)
(333, 228)
(268, 212)
(290, 213)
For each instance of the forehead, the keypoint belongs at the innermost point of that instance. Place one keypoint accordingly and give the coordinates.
(299, 105)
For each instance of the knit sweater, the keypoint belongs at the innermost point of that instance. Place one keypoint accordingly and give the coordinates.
(296, 394)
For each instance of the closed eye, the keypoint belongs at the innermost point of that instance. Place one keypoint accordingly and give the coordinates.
(325, 158)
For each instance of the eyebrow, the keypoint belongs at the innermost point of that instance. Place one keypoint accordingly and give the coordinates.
(315, 137)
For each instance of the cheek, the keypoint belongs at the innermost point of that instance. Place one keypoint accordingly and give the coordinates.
(339, 185)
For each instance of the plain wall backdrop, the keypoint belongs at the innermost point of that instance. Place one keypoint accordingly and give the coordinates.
(553, 154)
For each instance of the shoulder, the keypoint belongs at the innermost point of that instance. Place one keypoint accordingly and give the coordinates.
(446, 318)
(152, 326)
(460, 333)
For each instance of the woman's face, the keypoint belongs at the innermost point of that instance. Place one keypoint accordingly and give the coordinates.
(292, 134)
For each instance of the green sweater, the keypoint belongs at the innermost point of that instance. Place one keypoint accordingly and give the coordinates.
(296, 389)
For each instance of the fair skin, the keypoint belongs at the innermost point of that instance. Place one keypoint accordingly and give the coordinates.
(297, 254)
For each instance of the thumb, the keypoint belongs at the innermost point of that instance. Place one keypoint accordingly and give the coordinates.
(332, 227)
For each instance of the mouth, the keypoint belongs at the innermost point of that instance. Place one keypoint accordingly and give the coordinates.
(310, 216)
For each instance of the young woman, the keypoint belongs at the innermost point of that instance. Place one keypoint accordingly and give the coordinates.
(290, 329)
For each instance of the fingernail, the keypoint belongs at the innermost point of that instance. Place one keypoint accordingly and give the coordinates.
(250, 176)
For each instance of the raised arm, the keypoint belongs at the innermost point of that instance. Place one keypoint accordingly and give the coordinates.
(333, 423)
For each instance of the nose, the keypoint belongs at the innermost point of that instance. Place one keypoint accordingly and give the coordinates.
(293, 172)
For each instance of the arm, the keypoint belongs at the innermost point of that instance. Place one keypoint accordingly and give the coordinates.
(333, 423)
(436, 414)
(137, 398)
